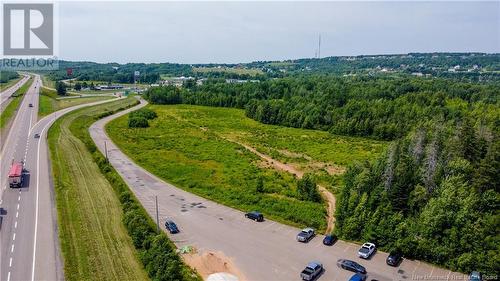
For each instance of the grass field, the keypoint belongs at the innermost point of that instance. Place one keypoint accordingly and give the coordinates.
(49, 103)
(8, 84)
(12, 107)
(94, 242)
(194, 148)
(235, 70)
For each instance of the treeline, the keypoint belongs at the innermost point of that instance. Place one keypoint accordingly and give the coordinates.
(434, 195)
(382, 108)
(6, 76)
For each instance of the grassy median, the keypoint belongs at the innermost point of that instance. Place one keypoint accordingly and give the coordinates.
(95, 244)
(49, 102)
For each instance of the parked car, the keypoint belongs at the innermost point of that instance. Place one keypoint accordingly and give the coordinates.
(329, 240)
(171, 227)
(312, 271)
(256, 216)
(366, 250)
(37, 136)
(351, 266)
(30, 105)
(475, 276)
(394, 258)
(305, 235)
(358, 277)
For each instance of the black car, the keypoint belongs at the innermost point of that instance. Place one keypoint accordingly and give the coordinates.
(30, 105)
(329, 240)
(171, 227)
(256, 216)
(351, 266)
(394, 258)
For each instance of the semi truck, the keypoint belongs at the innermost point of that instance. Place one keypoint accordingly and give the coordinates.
(16, 174)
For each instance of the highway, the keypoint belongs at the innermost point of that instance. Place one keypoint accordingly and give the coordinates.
(7, 93)
(262, 251)
(29, 249)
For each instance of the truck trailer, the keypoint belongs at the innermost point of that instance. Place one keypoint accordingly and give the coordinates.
(16, 175)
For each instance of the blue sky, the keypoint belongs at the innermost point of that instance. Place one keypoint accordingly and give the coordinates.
(231, 32)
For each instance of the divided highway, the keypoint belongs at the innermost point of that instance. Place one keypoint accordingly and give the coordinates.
(262, 251)
(7, 93)
(29, 249)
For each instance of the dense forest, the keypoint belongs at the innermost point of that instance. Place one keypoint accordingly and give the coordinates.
(434, 196)
(435, 193)
(382, 108)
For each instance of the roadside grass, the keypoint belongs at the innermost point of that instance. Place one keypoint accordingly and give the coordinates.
(49, 103)
(10, 83)
(13, 105)
(47, 82)
(241, 71)
(192, 147)
(94, 241)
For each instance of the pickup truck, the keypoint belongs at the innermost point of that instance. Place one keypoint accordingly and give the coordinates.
(312, 271)
(305, 235)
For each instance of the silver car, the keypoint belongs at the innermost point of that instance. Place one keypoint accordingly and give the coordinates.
(366, 250)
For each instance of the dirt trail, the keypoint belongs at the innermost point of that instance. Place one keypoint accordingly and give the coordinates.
(208, 263)
(327, 195)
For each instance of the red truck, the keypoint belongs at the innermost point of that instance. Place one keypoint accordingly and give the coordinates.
(16, 175)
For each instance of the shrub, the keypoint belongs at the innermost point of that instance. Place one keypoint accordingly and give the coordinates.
(145, 113)
(137, 122)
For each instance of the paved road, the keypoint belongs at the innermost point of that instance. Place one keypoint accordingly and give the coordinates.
(28, 236)
(262, 251)
(6, 94)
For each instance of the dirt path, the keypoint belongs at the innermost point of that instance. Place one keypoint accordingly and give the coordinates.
(327, 195)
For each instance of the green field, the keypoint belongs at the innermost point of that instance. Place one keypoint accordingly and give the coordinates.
(94, 241)
(196, 148)
(49, 103)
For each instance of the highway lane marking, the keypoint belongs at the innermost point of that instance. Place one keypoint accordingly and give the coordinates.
(15, 224)
(17, 214)
(14, 237)
(8, 276)
(19, 198)
(18, 206)
(12, 248)
(10, 262)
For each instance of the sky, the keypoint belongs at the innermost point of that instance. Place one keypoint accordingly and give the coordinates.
(234, 32)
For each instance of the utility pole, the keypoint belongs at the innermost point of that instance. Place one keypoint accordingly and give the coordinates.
(319, 46)
(106, 151)
(157, 217)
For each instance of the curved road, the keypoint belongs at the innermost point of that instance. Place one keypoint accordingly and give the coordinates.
(29, 248)
(262, 251)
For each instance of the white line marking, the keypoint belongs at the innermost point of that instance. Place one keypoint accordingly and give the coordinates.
(18, 206)
(8, 276)
(10, 262)
(36, 205)
(17, 214)
(12, 249)
(19, 198)
(15, 224)
(14, 237)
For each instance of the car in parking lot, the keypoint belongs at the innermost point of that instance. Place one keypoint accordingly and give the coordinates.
(254, 215)
(475, 276)
(351, 266)
(305, 235)
(329, 240)
(312, 271)
(394, 258)
(358, 277)
(171, 227)
(366, 250)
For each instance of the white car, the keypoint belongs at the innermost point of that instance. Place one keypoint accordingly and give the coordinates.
(367, 250)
